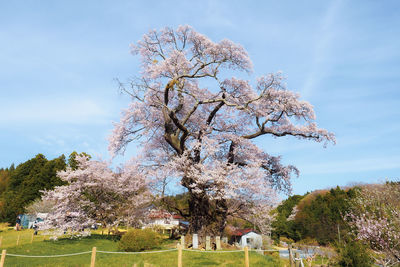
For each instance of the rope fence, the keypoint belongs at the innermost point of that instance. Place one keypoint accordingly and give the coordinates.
(142, 252)
(213, 251)
(94, 251)
(48, 256)
(293, 255)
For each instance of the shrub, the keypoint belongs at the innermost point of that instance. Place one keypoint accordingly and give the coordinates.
(354, 253)
(286, 240)
(308, 241)
(138, 240)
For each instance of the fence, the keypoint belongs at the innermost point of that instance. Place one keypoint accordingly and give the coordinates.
(294, 258)
(94, 252)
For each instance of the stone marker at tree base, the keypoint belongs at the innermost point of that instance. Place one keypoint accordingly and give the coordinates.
(183, 241)
(218, 242)
(208, 243)
(225, 240)
(195, 241)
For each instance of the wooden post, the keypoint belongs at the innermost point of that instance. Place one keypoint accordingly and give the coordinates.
(246, 256)
(297, 259)
(179, 255)
(32, 238)
(3, 258)
(18, 239)
(93, 261)
(291, 262)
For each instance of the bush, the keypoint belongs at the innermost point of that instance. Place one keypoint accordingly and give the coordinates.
(4, 226)
(354, 254)
(308, 241)
(286, 240)
(138, 240)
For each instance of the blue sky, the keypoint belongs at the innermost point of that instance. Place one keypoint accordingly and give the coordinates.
(59, 61)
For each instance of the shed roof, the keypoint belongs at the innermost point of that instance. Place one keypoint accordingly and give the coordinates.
(241, 232)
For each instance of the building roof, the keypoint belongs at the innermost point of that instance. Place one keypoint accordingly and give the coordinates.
(241, 232)
(163, 214)
(177, 217)
(159, 214)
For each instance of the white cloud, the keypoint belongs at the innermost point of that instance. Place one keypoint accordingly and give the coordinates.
(352, 166)
(215, 14)
(325, 36)
(53, 110)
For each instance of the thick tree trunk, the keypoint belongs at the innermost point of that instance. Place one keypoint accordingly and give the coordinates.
(199, 207)
(206, 217)
(221, 213)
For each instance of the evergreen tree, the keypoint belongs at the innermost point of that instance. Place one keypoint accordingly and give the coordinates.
(317, 215)
(26, 182)
(281, 225)
(322, 217)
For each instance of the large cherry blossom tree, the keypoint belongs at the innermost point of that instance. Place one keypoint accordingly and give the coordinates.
(375, 219)
(96, 194)
(198, 123)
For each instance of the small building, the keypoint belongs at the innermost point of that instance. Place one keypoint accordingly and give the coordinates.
(247, 237)
(162, 219)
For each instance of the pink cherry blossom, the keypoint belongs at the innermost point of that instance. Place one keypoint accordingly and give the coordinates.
(197, 123)
(96, 194)
(375, 219)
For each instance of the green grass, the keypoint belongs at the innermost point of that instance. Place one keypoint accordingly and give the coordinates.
(9, 237)
(66, 246)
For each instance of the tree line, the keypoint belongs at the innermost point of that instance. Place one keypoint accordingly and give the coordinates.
(21, 185)
(317, 215)
(363, 220)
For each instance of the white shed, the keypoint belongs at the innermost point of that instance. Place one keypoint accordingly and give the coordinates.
(248, 237)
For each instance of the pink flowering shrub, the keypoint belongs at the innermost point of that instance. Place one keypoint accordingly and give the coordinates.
(375, 219)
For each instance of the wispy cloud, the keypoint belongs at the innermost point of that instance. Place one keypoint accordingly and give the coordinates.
(358, 165)
(58, 62)
(323, 44)
(214, 14)
(76, 111)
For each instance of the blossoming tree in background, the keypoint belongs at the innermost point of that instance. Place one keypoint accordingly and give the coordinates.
(96, 194)
(376, 219)
(197, 123)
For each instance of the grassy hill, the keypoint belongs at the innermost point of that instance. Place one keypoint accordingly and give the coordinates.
(43, 246)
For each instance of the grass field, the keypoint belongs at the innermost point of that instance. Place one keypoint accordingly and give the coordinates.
(43, 246)
(9, 238)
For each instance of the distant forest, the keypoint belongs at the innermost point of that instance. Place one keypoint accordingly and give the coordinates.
(21, 185)
(315, 216)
